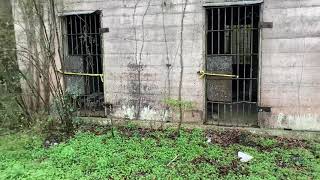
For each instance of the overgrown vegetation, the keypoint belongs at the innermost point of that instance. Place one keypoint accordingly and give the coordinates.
(179, 107)
(11, 103)
(116, 153)
(150, 154)
(32, 93)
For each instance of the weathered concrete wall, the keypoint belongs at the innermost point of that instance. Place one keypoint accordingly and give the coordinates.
(142, 53)
(290, 64)
(38, 66)
(142, 57)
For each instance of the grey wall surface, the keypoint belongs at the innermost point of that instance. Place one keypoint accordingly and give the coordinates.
(146, 38)
(289, 83)
(149, 35)
(290, 64)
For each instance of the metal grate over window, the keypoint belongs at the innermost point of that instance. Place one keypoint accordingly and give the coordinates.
(82, 63)
(232, 49)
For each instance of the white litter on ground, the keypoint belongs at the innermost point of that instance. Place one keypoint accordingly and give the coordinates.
(209, 140)
(244, 157)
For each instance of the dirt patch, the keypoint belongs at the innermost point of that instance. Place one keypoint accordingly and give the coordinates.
(203, 159)
(95, 129)
(292, 143)
(125, 131)
(142, 132)
(224, 138)
(295, 161)
(146, 132)
(173, 135)
(230, 137)
(235, 166)
(140, 174)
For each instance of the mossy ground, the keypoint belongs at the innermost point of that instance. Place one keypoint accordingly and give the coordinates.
(135, 153)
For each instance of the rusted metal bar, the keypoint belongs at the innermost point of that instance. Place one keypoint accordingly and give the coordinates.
(251, 48)
(212, 21)
(84, 43)
(233, 34)
(238, 60)
(218, 32)
(203, 73)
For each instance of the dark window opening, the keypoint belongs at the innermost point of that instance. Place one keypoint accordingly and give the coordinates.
(83, 58)
(233, 49)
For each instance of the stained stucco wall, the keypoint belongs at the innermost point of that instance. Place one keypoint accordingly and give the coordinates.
(290, 64)
(150, 33)
(147, 32)
(288, 84)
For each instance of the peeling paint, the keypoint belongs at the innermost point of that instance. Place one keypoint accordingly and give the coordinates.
(126, 112)
(148, 114)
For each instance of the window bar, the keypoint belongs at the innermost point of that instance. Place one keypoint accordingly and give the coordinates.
(87, 59)
(91, 34)
(219, 19)
(90, 53)
(236, 53)
(231, 111)
(85, 36)
(83, 58)
(76, 36)
(236, 40)
(231, 35)
(100, 64)
(212, 110)
(224, 111)
(231, 52)
(212, 31)
(251, 48)
(225, 51)
(244, 60)
(238, 59)
(249, 60)
(90, 62)
(218, 113)
(207, 49)
(221, 30)
(97, 59)
(96, 44)
(71, 36)
(94, 69)
(80, 34)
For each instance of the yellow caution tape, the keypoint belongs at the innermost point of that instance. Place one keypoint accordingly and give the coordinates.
(81, 74)
(203, 73)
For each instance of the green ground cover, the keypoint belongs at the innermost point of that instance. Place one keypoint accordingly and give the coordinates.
(135, 153)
